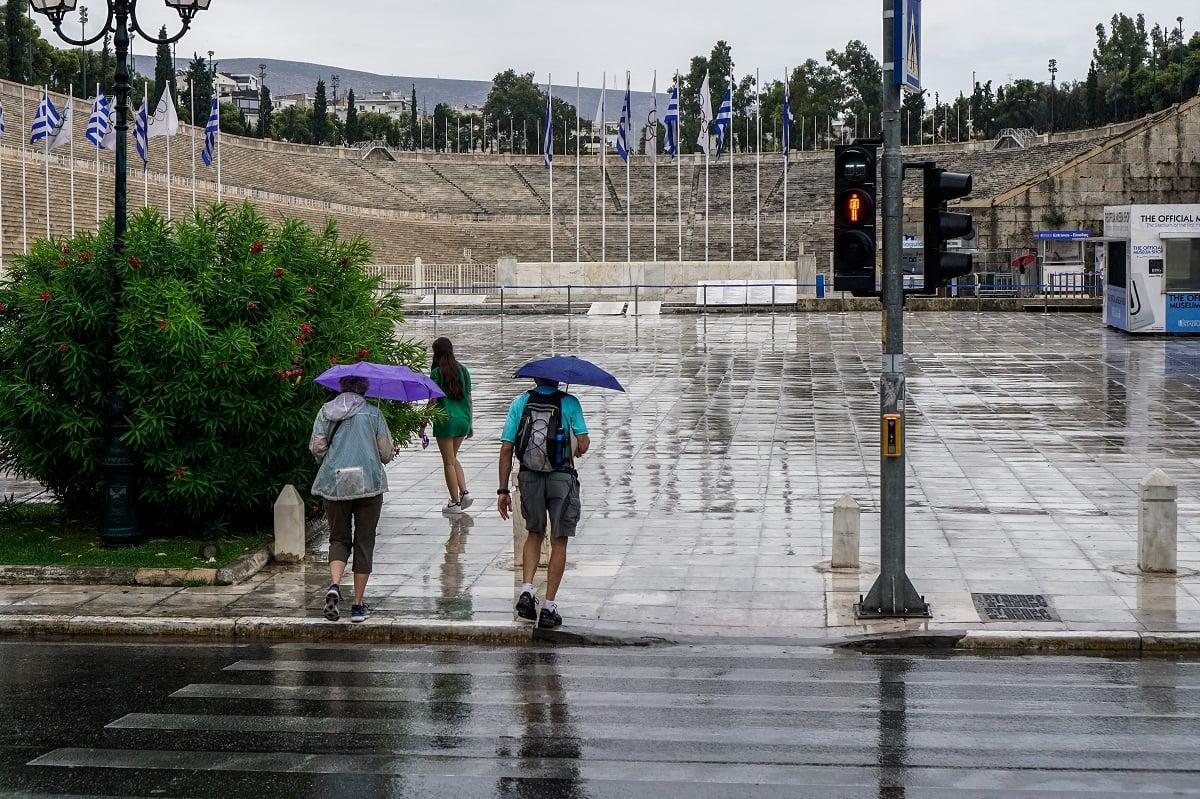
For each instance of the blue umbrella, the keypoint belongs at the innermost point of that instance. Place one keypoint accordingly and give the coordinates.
(570, 370)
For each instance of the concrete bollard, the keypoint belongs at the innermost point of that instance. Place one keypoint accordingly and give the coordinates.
(289, 526)
(1158, 523)
(519, 531)
(847, 519)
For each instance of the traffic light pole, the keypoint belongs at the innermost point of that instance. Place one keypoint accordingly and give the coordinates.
(893, 593)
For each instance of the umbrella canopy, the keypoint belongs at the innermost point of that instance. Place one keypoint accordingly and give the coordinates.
(571, 370)
(1023, 261)
(384, 382)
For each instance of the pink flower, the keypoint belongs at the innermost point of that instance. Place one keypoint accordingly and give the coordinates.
(278, 272)
(134, 263)
(44, 296)
(252, 306)
(64, 347)
(256, 247)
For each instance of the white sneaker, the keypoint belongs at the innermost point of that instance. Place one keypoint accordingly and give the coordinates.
(452, 509)
(466, 501)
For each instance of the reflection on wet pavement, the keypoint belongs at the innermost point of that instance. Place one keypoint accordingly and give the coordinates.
(709, 490)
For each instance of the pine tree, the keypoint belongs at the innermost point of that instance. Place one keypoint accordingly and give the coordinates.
(265, 113)
(353, 134)
(164, 71)
(200, 82)
(17, 38)
(320, 119)
(413, 131)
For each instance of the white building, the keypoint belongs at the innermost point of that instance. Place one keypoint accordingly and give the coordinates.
(393, 104)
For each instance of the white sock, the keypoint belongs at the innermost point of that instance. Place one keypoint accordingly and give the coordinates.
(550, 606)
(527, 588)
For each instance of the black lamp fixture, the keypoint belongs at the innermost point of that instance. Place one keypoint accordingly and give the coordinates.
(120, 522)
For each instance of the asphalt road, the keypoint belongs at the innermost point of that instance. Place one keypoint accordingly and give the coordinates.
(191, 720)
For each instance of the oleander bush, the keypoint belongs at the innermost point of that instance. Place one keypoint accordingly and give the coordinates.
(211, 329)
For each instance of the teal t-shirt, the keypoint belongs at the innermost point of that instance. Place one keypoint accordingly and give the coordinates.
(571, 409)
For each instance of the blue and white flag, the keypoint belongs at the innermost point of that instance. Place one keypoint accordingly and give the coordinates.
(724, 122)
(141, 127)
(210, 134)
(626, 122)
(548, 136)
(100, 122)
(46, 121)
(787, 119)
(671, 120)
(1, 119)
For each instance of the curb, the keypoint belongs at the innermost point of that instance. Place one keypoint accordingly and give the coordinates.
(239, 570)
(265, 628)
(1045, 642)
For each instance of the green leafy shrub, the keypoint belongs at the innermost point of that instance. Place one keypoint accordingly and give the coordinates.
(211, 329)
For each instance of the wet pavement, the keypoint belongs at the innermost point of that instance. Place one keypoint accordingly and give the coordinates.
(708, 494)
(123, 719)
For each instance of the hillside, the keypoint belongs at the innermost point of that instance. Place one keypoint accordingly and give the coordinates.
(293, 77)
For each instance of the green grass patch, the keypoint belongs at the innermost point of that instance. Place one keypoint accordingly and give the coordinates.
(40, 534)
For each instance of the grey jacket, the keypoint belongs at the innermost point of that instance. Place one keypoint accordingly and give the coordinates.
(351, 440)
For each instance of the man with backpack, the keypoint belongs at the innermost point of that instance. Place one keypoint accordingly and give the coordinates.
(546, 431)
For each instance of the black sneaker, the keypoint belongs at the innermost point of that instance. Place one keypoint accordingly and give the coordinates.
(359, 613)
(332, 597)
(527, 606)
(549, 619)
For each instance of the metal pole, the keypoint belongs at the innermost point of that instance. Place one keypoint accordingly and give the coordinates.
(568, 299)
(893, 593)
(502, 300)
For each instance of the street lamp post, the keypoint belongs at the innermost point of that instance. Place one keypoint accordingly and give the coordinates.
(1182, 58)
(120, 522)
(83, 21)
(1053, 89)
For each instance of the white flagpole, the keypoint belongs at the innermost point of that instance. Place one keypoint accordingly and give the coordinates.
(146, 162)
(786, 159)
(654, 166)
(168, 138)
(730, 130)
(46, 164)
(628, 114)
(217, 141)
(24, 203)
(192, 117)
(603, 173)
(706, 187)
(757, 166)
(98, 169)
(550, 154)
(578, 159)
(679, 166)
(71, 103)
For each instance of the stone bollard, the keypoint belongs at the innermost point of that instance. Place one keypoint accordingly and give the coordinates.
(846, 527)
(1158, 523)
(289, 526)
(519, 532)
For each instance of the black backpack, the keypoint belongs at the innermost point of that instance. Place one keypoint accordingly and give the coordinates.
(542, 442)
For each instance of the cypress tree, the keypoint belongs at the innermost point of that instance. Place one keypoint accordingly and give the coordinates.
(413, 132)
(320, 118)
(17, 38)
(164, 71)
(353, 134)
(265, 113)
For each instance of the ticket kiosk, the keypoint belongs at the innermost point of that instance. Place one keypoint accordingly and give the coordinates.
(1151, 257)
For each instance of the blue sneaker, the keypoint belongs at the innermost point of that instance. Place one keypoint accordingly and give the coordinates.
(332, 597)
(359, 613)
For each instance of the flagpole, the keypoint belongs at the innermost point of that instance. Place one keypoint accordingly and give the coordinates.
(732, 147)
(146, 161)
(46, 154)
(168, 137)
(217, 142)
(71, 152)
(786, 159)
(192, 117)
(578, 157)
(679, 165)
(550, 152)
(24, 203)
(757, 166)
(98, 167)
(628, 114)
(654, 168)
(603, 173)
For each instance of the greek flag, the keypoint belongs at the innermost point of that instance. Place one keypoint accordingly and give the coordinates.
(787, 119)
(210, 134)
(46, 121)
(626, 121)
(141, 126)
(1, 119)
(725, 121)
(671, 120)
(100, 122)
(548, 137)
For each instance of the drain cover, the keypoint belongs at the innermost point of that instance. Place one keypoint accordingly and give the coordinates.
(1014, 607)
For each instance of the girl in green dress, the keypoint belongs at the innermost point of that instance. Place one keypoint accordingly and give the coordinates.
(453, 379)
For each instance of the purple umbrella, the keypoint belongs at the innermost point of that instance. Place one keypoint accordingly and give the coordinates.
(384, 382)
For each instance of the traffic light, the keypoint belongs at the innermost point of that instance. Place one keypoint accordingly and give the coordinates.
(854, 235)
(940, 187)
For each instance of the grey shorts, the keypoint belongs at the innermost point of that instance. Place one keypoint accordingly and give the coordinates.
(550, 494)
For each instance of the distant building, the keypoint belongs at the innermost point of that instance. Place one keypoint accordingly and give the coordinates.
(393, 104)
(301, 101)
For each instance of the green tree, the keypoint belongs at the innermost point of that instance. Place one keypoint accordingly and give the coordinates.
(164, 70)
(414, 133)
(374, 126)
(293, 124)
(213, 337)
(353, 131)
(17, 33)
(518, 105)
(266, 113)
(320, 116)
(232, 120)
(199, 92)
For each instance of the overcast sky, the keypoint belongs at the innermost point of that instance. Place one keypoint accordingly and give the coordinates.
(475, 39)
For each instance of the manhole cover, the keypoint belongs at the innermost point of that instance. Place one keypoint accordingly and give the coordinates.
(1014, 607)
